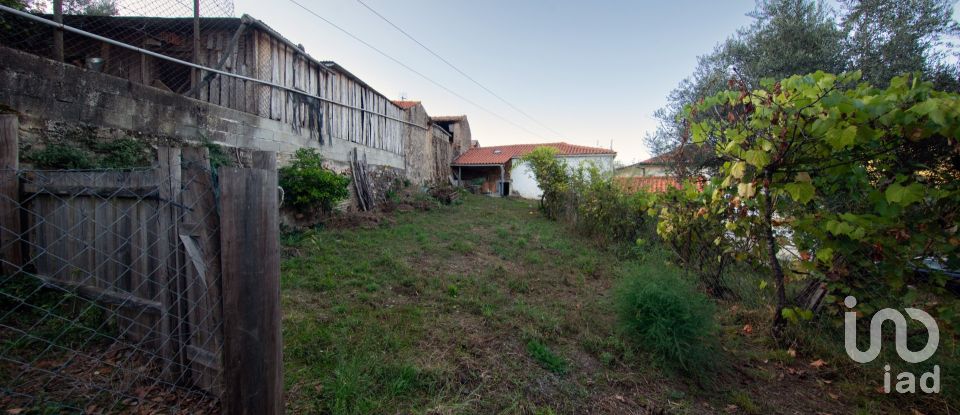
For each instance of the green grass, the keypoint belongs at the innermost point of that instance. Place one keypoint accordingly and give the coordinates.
(434, 313)
(487, 307)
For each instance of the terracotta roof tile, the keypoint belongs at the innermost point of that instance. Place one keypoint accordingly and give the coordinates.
(652, 184)
(503, 154)
(405, 105)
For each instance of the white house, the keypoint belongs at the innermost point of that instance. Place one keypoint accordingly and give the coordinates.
(499, 170)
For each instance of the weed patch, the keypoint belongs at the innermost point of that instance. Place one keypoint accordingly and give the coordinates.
(546, 357)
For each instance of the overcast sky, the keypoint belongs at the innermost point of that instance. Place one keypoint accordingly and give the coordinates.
(592, 71)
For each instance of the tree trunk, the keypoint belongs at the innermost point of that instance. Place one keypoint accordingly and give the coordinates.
(778, 321)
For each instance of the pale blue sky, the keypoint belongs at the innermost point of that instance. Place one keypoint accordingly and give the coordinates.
(593, 71)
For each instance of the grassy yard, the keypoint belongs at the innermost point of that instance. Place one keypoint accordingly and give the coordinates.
(487, 307)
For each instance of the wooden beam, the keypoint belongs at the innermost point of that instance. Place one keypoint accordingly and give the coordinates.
(11, 258)
(195, 78)
(250, 248)
(104, 192)
(58, 33)
(102, 295)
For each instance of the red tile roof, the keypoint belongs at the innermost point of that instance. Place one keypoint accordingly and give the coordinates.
(503, 154)
(652, 184)
(405, 104)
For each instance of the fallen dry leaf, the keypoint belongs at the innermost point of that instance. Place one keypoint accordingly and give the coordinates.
(792, 352)
(747, 329)
(818, 363)
(15, 411)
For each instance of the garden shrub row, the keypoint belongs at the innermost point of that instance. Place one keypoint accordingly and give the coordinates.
(826, 184)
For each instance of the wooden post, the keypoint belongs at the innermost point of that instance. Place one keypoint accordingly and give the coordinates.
(250, 255)
(10, 254)
(168, 257)
(201, 241)
(58, 33)
(195, 79)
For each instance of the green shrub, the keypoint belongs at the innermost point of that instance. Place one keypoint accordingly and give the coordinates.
(552, 177)
(309, 186)
(605, 210)
(123, 153)
(665, 315)
(59, 156)
(688, 224)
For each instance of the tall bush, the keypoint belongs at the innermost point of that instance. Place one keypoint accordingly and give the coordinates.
(308, 186)
(603, 209)
(687, 224)
(589, 199)
(664, 314)
(864, 182)
(552, 177)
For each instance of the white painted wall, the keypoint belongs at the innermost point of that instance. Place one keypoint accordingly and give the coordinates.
(524, 184)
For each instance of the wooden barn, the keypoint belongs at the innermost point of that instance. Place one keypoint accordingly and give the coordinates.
(244, 46)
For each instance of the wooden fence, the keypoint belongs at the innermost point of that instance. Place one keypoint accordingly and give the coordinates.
(187, 269)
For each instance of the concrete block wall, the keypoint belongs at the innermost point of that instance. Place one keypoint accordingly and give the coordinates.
(49, 95)
(52, 98)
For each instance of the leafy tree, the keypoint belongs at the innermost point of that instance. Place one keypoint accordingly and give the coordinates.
(87, 7)
(881, 38)
(786, 37)
(92, 7)
(817, 156)
(891, 38)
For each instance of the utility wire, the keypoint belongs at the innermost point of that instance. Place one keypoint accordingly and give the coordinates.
(454, 67)
(427, 78)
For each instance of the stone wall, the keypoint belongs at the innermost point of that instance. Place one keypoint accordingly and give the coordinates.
(428, 152)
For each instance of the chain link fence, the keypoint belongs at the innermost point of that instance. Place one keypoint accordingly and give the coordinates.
(110, 289)
(235, 62)
(165, 27)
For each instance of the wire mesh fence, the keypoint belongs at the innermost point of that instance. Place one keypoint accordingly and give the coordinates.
(238, 63)
(166, 27)
(110, 289)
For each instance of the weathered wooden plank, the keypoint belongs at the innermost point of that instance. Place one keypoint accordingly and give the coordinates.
(276, 108)
(84, 179)
(251, 268)
(263, 65)
(167, 262)
(11, 254)
(288, 81)
(107, 191)
(104, 295)
(200, 236)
